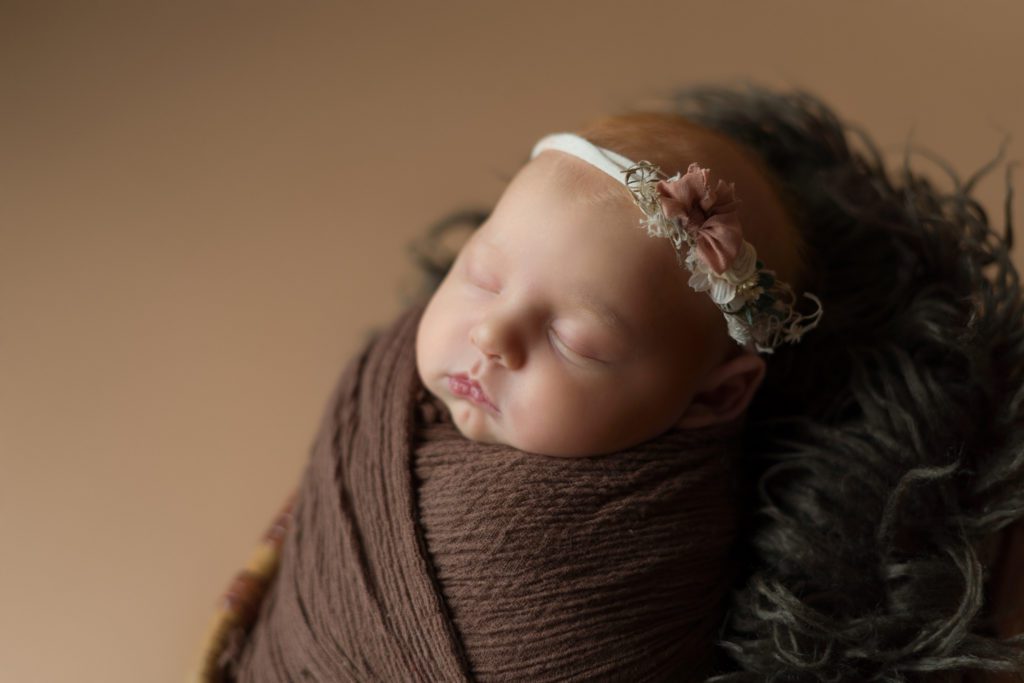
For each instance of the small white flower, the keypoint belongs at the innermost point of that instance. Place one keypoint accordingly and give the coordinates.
(700, 281)
(704, 279)
(722, 291)
(745, 265)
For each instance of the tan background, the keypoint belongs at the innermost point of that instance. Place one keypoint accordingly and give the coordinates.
(203, 208)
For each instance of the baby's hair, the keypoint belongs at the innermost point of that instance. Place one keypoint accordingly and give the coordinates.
(884, 451)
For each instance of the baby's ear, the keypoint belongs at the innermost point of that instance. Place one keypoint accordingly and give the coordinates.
(726, 392)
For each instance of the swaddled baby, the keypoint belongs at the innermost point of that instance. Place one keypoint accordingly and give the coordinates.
(533, 476)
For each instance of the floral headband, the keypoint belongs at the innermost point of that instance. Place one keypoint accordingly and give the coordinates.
(705, 230)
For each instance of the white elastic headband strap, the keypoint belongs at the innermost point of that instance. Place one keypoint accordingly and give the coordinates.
(608, 161)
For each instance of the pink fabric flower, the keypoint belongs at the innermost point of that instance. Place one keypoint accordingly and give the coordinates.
(709, 215)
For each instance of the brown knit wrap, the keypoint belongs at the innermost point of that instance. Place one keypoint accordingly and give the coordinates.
(417, 555)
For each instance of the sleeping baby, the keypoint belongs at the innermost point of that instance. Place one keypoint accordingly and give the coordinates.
(534, 474)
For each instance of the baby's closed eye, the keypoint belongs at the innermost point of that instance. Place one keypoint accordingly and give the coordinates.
(573, 354)
(488, 284)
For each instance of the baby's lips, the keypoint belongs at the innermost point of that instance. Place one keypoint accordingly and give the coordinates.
(461, 383)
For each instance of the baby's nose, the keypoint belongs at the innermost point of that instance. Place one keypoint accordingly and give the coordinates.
(498, 341)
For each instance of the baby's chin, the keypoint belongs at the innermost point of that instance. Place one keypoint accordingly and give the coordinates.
(473, 422)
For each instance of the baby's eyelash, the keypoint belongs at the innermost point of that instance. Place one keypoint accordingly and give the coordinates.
(558, 343)
(492, 289)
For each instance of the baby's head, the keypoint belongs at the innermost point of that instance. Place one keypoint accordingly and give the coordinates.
(563, 328)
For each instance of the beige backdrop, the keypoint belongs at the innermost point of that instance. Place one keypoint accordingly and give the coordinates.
(203, 208)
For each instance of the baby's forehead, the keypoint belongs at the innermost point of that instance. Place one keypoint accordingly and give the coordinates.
(602, 223)
(561, 186)
(577, 181)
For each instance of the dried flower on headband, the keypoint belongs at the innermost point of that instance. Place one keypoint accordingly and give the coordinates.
(704, 227)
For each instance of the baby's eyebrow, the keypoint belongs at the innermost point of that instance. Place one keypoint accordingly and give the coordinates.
(603, 312)
(482, 244)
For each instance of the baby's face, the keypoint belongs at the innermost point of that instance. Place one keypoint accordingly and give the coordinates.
(579, 329)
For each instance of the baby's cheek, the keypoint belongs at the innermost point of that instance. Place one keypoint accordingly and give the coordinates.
(436, 343)
(555, 420)
(426, 333)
